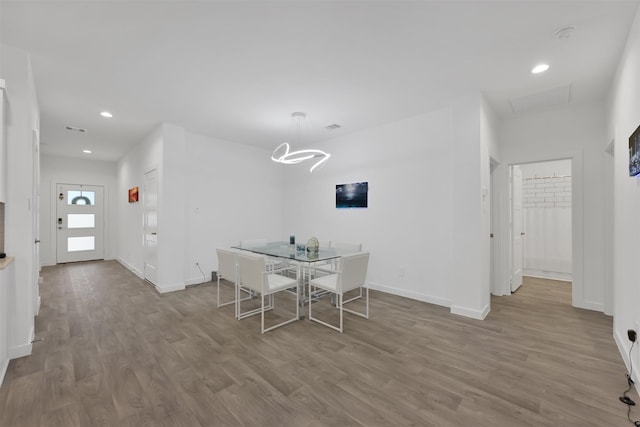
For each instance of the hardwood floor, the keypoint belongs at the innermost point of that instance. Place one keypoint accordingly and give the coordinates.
(116, 353)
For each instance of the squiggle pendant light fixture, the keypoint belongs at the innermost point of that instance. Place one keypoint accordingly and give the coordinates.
(282, 153)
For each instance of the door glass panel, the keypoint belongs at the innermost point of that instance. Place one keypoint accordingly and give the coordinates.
(81, 220)
(85, 243)
(81, 198)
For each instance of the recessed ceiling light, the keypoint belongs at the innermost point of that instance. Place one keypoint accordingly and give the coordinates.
(86, 151)
(540, 68)
(106, 114)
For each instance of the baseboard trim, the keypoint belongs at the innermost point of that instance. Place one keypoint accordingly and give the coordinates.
(624, 352)
(193, 281)
(409, 294)
(21, 350)
(3, 370)
(551, 275)
(590, 305)
(170, 288)
(472, 313)
(130, 268)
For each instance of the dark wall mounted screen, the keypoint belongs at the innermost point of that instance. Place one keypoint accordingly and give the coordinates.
(352, 195)
(634, 153)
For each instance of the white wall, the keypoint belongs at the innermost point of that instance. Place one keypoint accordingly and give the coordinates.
(171, 209)
(408, 225)
(623, 119)
(143, 158)
(211, 193)
(233, 192)
(473, 136)
(577, 134)
(547, 219)
(22, 118)
(65, 170)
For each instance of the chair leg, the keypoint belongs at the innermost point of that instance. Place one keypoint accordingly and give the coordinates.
(309, 299)
(322, 322)
(237, 301)
(367, 303)
(366, 312)
(270, 328)
(341, 313)
(262, 313)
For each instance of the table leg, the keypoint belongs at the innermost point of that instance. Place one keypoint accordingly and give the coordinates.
(300, 280)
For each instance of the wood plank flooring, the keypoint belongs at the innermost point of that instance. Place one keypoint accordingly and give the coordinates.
(116, 353)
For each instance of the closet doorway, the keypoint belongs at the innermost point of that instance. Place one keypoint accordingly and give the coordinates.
(541, 229)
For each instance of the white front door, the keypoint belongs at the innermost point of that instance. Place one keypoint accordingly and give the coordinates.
(517, 230)
(150, 201)
(79, 222)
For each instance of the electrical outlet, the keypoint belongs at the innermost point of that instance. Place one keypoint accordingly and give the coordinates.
(401, 272)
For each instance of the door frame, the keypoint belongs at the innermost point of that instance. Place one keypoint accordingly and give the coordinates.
(513, 231)
(577, 223)
(494, 218)
(144, 224)
(35, 135)
(609, 194)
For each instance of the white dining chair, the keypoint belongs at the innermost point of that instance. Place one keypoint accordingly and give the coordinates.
(228, 271)
(254, 275)
(352, 273)
(342, 248)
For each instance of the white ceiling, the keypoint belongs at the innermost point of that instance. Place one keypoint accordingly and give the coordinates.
(236, 70)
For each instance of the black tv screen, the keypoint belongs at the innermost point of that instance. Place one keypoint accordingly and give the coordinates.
(352, 195)
(634, 153)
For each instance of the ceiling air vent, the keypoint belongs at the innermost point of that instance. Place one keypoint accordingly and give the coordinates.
(76, 129)
(333, 127)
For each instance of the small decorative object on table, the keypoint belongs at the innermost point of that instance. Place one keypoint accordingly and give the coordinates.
(313, 246)
(292, 245)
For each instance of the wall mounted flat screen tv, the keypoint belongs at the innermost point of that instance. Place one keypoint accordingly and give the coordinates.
(352, 195)
(634, 153)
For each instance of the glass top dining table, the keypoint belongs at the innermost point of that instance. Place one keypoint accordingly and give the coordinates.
(284, 250)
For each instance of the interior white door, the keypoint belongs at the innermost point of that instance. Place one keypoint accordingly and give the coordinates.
(150, 201)
(79, 222)
(36, 221)
(517, 230)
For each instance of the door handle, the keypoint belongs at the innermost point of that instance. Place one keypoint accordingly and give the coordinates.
(154, 234)
(522, 233)
(37, 241)
(491, 235)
